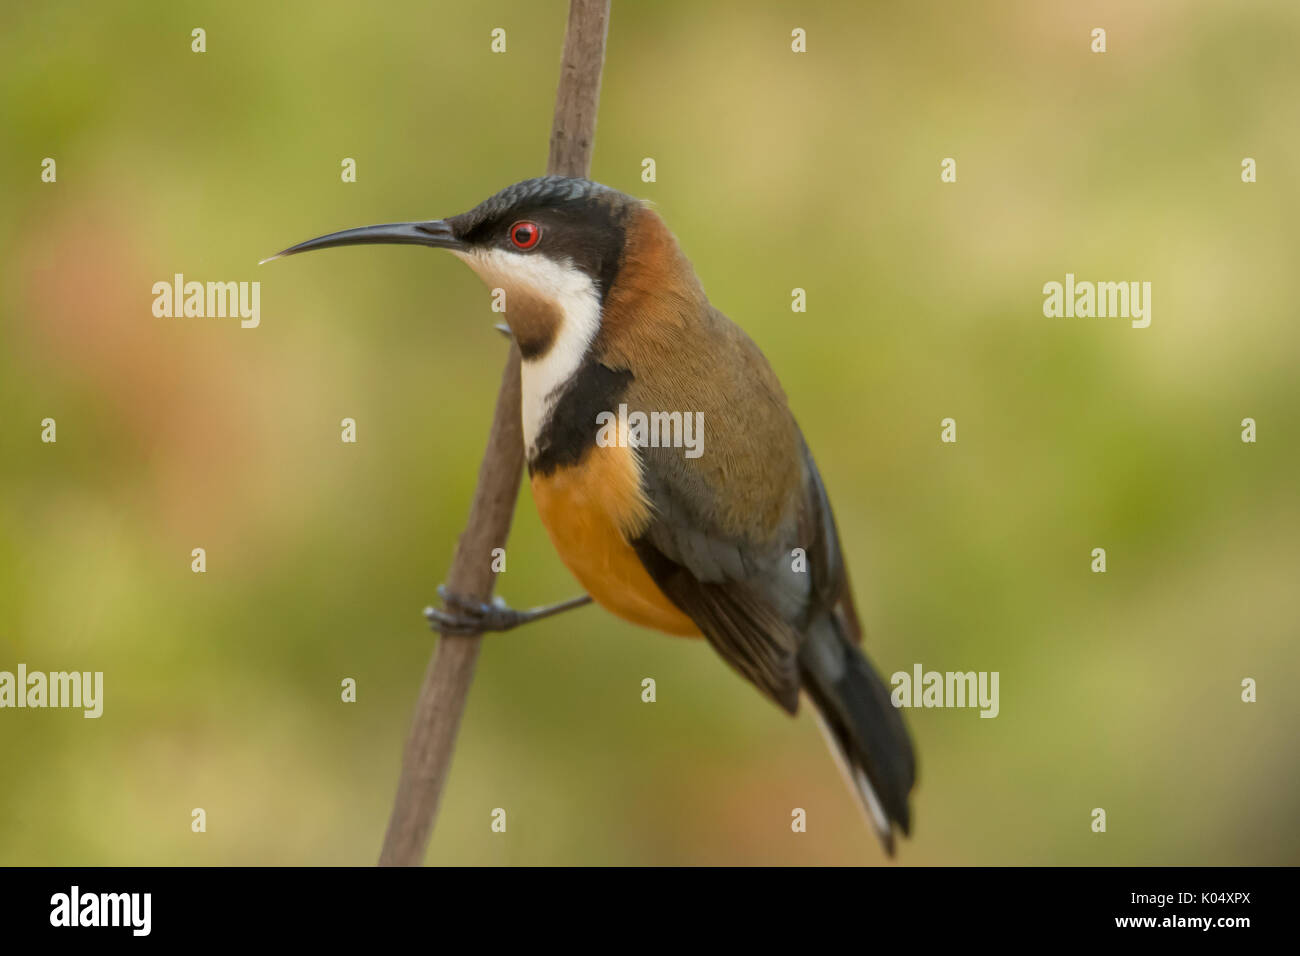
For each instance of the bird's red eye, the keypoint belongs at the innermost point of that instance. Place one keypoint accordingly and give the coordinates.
(525, 234)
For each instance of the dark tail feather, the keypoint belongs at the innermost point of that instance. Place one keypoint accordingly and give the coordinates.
(864, 728)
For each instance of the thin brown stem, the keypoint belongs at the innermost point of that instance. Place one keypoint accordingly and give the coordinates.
(438, 711)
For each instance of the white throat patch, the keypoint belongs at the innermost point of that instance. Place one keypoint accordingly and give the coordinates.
(574, 294)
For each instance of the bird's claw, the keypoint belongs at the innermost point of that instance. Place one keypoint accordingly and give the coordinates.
(462, 616)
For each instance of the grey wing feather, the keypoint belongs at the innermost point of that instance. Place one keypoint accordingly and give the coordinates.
(741, 626)
(745, 596)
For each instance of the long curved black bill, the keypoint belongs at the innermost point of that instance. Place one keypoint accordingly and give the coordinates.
(435, 232)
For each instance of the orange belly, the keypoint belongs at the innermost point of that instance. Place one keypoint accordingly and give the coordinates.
(591, 510)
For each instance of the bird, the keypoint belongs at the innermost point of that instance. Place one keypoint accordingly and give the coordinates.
(736, 544)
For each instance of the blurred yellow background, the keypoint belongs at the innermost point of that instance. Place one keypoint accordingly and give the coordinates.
(776, 170)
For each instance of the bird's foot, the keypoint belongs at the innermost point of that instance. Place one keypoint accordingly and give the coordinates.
(463, 617)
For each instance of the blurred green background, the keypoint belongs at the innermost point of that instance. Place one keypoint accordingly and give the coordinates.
(775, 170)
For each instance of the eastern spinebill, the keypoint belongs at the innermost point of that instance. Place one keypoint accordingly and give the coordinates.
(607, 311)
